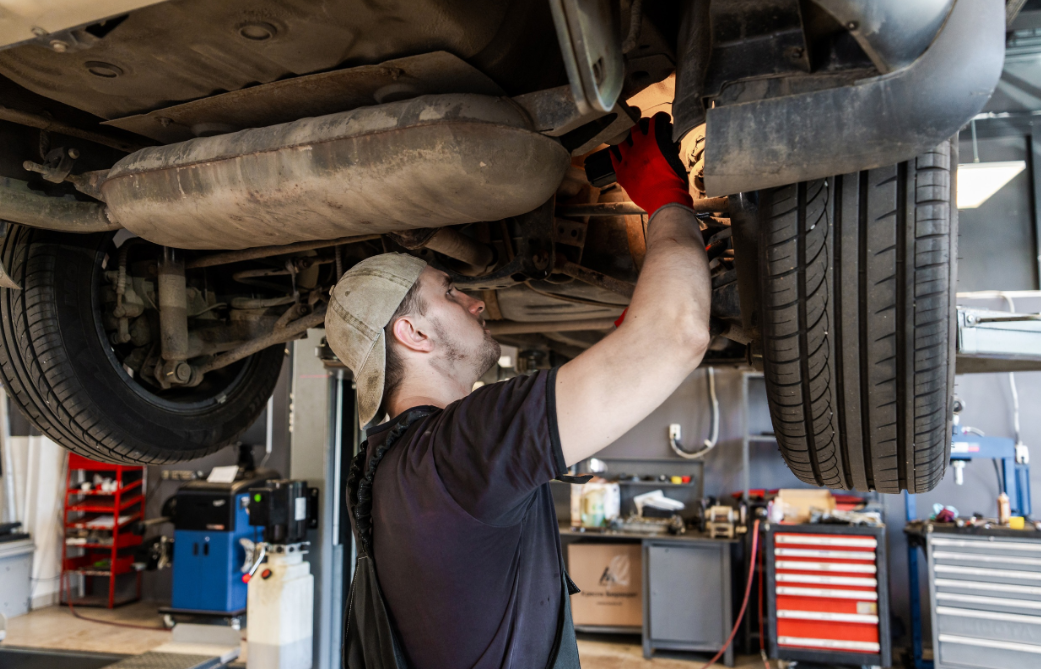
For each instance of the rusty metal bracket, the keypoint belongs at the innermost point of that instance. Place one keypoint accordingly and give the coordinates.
(533, 258)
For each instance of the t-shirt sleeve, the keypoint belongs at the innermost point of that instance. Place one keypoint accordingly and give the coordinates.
(494, 448)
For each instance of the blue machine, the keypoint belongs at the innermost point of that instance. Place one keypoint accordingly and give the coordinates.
(1013, 461)
(211, 518)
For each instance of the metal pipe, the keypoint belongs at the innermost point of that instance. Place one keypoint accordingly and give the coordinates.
(267, 251)
(173, 306)
(456, 245)
(50, 125)
(515, 327)
(594, 278)
(21, 205)
(291, 331)
(706, 205)
(477, 256)
(260, 302)
(257, 273)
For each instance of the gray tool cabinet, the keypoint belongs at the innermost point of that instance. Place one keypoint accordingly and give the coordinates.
(985, 593)
(687, 589)
(687, 602)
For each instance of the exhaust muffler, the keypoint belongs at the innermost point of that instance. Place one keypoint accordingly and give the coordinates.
(423, 163)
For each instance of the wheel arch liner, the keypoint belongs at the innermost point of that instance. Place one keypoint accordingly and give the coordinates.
(879, 121)
(422, 163)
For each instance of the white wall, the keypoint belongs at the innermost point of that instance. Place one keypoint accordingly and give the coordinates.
(39, 483)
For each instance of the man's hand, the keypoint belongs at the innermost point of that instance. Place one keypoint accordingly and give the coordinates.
(648, 166)
(618, 382)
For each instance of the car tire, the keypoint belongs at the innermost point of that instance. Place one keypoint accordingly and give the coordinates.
(857, 288)
(60, 371)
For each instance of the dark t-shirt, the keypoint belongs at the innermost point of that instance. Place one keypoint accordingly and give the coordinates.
(465, 535)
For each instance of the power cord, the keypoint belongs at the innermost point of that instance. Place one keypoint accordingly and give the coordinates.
(709, 443)
(77, 614)
(748, 591)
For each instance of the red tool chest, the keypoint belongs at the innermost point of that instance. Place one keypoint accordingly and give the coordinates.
(827, 594)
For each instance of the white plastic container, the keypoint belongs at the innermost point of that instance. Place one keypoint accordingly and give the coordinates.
(601, 503)
(16, 568)
(280, 614)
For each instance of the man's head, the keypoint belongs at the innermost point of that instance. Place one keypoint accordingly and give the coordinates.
(400, 325)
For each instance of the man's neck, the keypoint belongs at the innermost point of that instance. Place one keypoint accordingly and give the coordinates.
(427, 389)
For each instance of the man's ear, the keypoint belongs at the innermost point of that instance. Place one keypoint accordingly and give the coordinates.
(407, 333)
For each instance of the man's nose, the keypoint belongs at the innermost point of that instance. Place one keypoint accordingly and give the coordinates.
(476, 306)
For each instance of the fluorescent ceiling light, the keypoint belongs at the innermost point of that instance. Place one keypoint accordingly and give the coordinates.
(978, 181)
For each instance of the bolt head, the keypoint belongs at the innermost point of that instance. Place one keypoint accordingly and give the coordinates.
(59, 46)
(852, 25)
(74, 153)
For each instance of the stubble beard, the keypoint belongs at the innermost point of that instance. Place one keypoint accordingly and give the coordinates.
(458, 359)
(490, 353)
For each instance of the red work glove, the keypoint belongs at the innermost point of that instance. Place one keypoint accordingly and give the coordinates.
(648, 165)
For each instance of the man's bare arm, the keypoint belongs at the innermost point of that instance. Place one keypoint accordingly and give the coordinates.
(618, 382)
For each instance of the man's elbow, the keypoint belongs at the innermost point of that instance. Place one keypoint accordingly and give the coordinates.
(696, 343)
(692, 338)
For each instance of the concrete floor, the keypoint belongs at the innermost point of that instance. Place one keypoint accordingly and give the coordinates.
(56, 628)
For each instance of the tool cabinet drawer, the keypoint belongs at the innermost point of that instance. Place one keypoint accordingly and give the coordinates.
(986, 601)
(827, 590)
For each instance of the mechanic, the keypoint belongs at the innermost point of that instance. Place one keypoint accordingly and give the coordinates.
(459, 524)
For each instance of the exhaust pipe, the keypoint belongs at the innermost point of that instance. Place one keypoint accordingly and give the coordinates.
(423, 163)
(19, 204)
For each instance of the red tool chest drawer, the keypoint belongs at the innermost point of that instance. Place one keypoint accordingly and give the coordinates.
(827, 594)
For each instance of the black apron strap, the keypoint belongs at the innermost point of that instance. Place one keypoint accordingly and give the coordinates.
(565, 648)
(369, 638)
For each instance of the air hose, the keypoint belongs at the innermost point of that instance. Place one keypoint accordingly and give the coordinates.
(748, 591)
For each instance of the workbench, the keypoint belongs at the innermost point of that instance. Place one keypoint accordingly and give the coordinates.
(688, 590)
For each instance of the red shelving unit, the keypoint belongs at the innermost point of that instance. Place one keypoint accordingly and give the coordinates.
(98, 545)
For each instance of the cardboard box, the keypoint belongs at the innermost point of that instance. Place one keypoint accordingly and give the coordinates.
(611, 579)
(796, 504)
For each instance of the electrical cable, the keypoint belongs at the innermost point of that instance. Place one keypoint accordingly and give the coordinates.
(748, 592)
(114, 623)
(1001, 478)
(713, 439)
(66, 589)
(1012, 379)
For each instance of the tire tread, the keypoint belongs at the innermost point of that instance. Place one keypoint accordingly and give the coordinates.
(857, 278)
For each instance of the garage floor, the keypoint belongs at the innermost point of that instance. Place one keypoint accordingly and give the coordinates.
(55, 628)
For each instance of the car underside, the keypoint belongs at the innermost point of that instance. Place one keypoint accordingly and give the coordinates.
(183, 182)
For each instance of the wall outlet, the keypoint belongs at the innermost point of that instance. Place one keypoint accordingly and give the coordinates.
(674, 432)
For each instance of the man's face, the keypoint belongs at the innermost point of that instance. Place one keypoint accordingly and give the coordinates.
(463, 346)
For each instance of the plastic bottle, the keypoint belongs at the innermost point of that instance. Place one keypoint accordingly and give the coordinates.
(1004, 509)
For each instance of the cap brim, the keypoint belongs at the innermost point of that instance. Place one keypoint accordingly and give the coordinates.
(370, 380)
